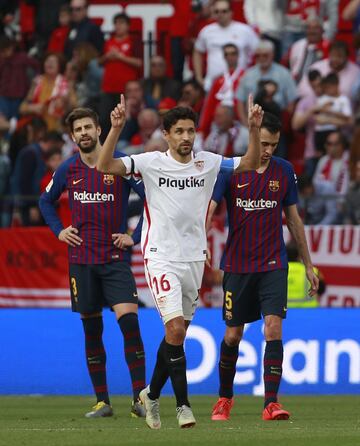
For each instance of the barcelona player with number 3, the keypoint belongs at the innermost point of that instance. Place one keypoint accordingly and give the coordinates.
(98, 257)
(255, 264)
(178, 188)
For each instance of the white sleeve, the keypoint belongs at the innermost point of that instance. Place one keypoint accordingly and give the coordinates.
(137, 164)
(346, 106)
(200, 42)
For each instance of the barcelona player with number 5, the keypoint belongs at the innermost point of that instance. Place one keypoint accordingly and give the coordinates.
(98, 257)
(255, 264)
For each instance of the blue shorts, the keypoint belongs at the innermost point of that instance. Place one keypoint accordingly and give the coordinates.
(93, 287)
(248, 296)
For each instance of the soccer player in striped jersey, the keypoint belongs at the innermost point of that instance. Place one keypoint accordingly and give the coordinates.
(98, 257)
(255, 264)
(178, 188)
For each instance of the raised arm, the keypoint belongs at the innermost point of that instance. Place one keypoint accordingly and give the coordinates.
(106, 162)
(251, 160)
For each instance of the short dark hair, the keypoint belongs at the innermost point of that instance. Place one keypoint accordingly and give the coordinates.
(51, 152)
(80, 113)
(343, 140)
(330, 79)
(121, 16)
(174, 115)
(339, 45)
(6, 42)
(271, 123)
(313, 75)
(230, 45)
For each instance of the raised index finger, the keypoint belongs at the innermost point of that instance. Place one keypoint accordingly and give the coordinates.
(250, 101)
(122, 100)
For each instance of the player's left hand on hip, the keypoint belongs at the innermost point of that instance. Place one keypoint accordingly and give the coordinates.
(122, 241)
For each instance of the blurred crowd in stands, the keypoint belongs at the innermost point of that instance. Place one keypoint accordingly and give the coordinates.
(299, 58)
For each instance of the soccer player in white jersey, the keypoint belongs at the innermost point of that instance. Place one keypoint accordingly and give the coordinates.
(178, 187)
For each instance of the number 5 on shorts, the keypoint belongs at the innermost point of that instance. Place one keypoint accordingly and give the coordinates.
(228, 300)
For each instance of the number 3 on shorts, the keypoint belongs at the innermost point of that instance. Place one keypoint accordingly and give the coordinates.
(228, 300)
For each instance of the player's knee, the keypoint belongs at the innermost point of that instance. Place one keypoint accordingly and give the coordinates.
(233, 336)
(175, 332)
(273, 329)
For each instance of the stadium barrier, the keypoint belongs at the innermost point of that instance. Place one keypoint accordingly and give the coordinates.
(33, 267)
(42, 352)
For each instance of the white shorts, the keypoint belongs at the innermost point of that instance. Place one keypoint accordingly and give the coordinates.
(175, 287)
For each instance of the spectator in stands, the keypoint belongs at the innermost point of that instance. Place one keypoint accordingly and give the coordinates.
(192, 95)
(120, 66)
(266, 69)
(352, 199)
(297, 12)
(89, 75)
(49, 96)
(29, 130)
(305, 52)
(149, 127)
(52, 159)
(304, 118)
(351, 11)
(227, 136)
(267, 16)
(317, 202)
(223, 88)
(30, 167)
(15, 67)
(264, 96)
(158, 85)
(135, 102)
(178, 31)
(59, 35)
(333, 168)
(82, 29)
(214, 36)
(333, 110)
(9, 19)
(337, 62)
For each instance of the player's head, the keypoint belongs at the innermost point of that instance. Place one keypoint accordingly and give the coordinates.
(179, 129)
(85, 129)
(269, 136)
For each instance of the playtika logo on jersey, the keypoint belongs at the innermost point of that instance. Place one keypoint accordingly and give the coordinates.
(182, 183)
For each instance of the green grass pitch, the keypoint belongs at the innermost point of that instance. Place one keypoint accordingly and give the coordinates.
(59, 421)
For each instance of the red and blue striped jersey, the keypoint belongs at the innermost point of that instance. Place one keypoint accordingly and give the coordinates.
(255, 202)
(98, 204)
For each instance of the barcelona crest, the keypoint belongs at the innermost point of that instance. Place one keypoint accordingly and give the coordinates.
(108, 179)
(274, 185)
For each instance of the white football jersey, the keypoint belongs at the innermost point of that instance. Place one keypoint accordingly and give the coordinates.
(177, 200)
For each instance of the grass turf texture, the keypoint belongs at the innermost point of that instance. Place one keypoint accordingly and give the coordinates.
(55, 421)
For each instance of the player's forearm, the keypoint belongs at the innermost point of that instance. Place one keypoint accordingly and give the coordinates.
(297, 231)
(106, 162)
(251, 160)
(197, 62)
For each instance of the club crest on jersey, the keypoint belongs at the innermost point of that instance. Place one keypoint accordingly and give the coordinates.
(199, 165)
(274, 185)
(108, 179)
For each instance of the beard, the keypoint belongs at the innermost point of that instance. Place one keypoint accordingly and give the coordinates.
(184, 150)
(87, 146)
